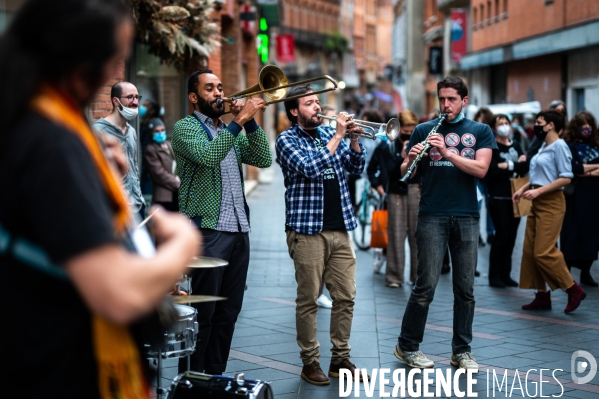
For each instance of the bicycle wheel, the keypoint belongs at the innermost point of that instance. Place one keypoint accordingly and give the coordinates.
(364, 219)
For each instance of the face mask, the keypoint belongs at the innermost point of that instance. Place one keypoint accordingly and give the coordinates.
(585, 132)
(539, 132)
(503, 130)
(127, 113)
(142, 111)
(459, 118)
(159, 137)
(405, 137)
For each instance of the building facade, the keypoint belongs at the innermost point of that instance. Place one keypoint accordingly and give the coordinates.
(539, 50)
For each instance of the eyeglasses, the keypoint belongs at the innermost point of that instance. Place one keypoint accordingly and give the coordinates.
(130, 97)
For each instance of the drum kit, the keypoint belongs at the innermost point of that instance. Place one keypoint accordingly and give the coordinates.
(179, 340)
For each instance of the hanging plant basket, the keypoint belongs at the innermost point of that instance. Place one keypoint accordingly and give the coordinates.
(178, 32)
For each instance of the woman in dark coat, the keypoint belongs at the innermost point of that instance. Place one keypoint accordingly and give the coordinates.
(507, 162)
(579, 239)
(160, 160)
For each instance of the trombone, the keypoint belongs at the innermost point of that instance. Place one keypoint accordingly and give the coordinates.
(389, 130)
(273, 83)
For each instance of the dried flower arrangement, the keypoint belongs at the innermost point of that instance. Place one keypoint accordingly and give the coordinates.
(179, 32)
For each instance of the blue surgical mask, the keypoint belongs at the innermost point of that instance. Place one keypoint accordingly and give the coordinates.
(159, 137)
(459, 118)
(142, 111)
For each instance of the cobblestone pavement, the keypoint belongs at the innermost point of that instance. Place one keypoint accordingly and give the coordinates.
(506, 338)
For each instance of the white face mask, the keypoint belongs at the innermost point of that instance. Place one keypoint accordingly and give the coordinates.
(127, 113)
(504, 130)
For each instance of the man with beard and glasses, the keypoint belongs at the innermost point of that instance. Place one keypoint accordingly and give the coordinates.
(209, 155)
(319, 214)
(460, 152)
(125, 105)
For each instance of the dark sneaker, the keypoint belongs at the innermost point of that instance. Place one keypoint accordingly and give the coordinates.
(344, 364)
(413, 359)
(314, 374)
(510, 283)
(496, 283)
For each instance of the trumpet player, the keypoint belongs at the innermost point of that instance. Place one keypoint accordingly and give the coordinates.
(460, 151)
(319, 215)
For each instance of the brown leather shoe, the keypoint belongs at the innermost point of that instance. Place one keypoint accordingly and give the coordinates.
(344, 364)
(314, 374)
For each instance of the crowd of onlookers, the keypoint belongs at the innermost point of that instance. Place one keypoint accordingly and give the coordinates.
(549, 151)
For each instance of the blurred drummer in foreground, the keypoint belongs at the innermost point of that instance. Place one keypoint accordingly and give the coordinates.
(68, 283)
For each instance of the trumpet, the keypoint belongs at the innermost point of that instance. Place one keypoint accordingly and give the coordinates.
(389, 130)
(403, 182)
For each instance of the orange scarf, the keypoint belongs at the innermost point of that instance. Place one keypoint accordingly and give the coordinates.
(119, 368)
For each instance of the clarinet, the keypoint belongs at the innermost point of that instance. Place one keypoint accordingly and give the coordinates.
(403, 182)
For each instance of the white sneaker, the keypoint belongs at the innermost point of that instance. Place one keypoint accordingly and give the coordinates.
(413, 359)
(379, 260)
(464, 361)
(324, 302)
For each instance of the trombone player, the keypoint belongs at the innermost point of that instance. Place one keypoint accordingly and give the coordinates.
(209, 155)
(319, 215)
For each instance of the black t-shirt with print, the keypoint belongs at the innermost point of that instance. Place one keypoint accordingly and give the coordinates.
(446, 190)
(51, 196)
(498, 180)
(333, 214)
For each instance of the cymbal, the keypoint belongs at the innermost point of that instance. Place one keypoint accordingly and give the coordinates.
(183, 299)
(203, 262)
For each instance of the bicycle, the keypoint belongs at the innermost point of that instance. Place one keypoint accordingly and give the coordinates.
(369, 201)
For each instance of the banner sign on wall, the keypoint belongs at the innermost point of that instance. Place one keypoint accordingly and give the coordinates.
(285, 48)
(459, 20)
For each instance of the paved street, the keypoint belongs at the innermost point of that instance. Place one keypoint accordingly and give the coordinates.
(505, 337)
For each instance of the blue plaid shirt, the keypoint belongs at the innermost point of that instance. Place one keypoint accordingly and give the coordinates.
(303, 167)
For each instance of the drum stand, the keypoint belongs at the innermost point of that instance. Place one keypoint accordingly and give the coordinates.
(160, 392)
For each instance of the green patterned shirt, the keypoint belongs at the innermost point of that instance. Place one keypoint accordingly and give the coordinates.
(198, 163)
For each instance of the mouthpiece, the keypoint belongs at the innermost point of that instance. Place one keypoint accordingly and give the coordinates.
(219, 102)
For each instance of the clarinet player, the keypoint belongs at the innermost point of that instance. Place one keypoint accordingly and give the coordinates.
(459, 153)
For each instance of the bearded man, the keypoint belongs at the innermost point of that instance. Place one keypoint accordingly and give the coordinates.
(209, 155)
(319, 216)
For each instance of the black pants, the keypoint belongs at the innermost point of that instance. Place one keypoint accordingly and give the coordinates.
(216, 320)
(506, 229)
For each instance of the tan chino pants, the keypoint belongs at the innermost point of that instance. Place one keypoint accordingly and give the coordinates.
(327, 255)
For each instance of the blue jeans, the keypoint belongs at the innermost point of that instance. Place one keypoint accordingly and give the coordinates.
(433, 235)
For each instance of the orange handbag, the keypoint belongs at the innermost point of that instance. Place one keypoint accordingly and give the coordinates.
(379, 237)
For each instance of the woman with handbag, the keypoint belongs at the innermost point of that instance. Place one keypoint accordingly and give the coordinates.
(542, 262)
(580, 237)
(508, 161)
(384, 172)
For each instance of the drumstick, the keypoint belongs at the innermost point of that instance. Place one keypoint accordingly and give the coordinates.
(146, 220)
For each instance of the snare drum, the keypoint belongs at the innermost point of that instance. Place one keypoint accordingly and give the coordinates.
(193, 385)
(180, 339)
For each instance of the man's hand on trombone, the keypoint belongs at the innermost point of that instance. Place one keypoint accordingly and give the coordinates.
(245, 112)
